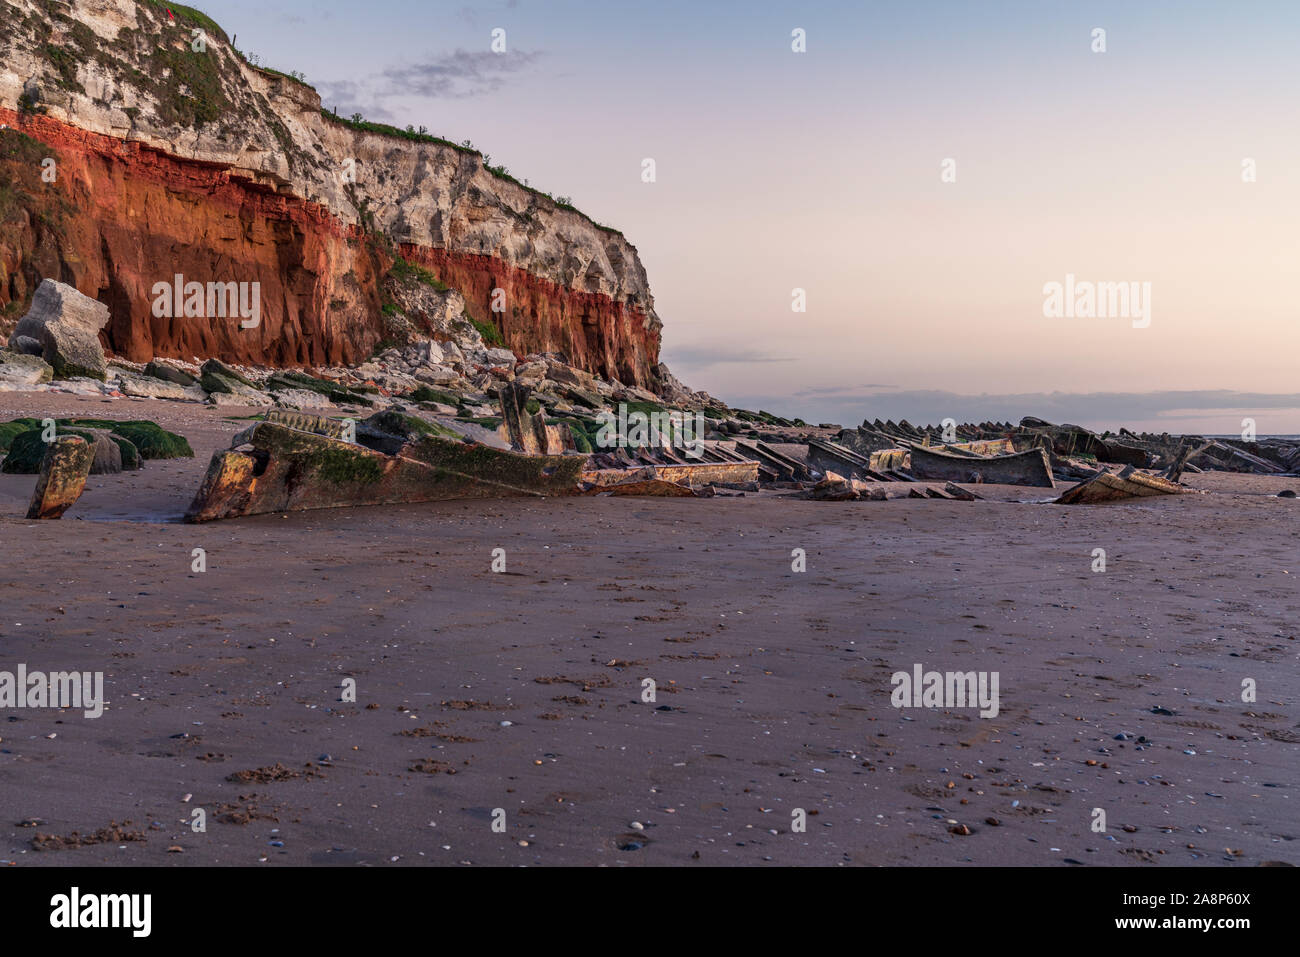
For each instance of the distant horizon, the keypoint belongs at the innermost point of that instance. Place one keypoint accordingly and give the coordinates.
(1275, 415)
(938, 180)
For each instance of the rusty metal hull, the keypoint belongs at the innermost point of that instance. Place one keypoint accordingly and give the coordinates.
(1030, 467)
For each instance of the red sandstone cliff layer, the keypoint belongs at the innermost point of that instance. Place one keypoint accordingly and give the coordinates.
(134, 216)
(237, 176)
(137, 216)
(593, 331)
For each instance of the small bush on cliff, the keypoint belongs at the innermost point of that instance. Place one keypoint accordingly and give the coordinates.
(357, 122)
(23, 149)
(65, 65)
(485, 329)
(295, 75)
(404, 271)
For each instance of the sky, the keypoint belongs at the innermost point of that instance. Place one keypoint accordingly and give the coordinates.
(922, 172)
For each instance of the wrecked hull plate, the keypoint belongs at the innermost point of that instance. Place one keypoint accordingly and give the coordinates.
(1108, 487)
(288, 470)
(1030, 467)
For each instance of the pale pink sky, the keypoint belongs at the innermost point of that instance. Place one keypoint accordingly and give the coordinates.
(821, 170)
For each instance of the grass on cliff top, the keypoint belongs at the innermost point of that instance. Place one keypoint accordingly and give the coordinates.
(196, 17)
(383, 129)
(274, 72)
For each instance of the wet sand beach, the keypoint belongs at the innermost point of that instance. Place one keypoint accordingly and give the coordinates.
(522, 691)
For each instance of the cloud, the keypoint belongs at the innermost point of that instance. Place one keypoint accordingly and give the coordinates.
(347, 97)
(457, 75)
(703, 357)
(838, 391)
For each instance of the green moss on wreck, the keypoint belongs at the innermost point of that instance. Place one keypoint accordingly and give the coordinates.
(541, 473)
(407, 426)
(343, 466)
(585, 433)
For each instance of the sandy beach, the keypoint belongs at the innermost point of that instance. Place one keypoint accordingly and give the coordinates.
(522, 691)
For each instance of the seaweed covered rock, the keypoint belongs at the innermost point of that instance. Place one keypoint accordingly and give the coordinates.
(161, 370)
(225, 386)
(106, 456)
(17, 369)
(299, 381)
(151, 439)
(27, 451)
(115, 446)
(11, 430)
(218, 368)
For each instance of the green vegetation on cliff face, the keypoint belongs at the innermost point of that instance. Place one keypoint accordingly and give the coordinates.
(33, 212)
(491, 335)
(190, 15)
(21, 186)
(404, 271)
(188, 86)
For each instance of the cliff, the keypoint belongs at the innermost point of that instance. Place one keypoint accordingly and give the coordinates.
(171, 160)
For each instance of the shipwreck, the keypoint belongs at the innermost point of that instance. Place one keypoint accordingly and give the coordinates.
(292, 462)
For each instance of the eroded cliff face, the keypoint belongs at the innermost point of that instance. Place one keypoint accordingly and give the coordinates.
(174, 160)
(132, 217)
